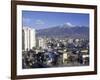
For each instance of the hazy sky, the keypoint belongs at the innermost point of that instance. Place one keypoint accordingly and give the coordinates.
(40, 20)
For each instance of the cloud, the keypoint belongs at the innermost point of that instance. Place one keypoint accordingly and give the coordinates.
(69, 24)
(39, 22)
(26, 21)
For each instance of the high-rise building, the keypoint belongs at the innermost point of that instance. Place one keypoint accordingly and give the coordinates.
(41, 42)
(28, 38)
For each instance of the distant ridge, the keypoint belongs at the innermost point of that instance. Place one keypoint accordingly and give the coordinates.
(64, 31)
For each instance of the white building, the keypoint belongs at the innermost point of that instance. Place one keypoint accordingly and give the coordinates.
(41, 42)
(28, 38)
(70, 40)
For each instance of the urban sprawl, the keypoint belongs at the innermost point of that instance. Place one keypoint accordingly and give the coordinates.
(46, 52)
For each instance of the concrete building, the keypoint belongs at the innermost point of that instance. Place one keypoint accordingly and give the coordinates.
(66, 54)
(70, 40)
(41, 42)
(85, 56)
(28, 38)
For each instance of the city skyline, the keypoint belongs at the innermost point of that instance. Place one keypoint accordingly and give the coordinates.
(42, 20)
(63, 43)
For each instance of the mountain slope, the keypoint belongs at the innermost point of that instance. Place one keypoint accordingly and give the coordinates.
(64, 31)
